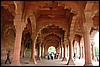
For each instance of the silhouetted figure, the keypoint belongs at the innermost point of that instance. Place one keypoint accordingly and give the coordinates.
(8, 57)
(74, 56)
(57, 55)
(48, 57)
(52, 56)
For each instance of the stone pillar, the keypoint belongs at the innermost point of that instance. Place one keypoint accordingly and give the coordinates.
(19, 26)
(42, 52)
(45, 51)
(65, 53)
(70, 60)
(57, 51)
(93, 52)
(39, 52)
(22, 50)
(86, 35)
(32, 59)
(80, 50)
(60, 51)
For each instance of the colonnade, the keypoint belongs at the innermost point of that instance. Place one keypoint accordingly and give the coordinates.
(19, 26)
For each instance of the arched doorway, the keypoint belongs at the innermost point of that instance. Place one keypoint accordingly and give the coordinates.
(51, 49)
(51, 52)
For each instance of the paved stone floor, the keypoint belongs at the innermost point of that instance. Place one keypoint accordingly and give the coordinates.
(55, 62)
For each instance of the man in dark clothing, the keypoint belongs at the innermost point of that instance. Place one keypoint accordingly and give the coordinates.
(74, 56)
(8, 59)
(48, 57)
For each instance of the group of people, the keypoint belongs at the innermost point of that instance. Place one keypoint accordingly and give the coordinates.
(53, 56)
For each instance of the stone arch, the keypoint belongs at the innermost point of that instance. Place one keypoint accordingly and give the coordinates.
(95, 12)
(56, 37)
(33, 22)
(9, 6)
(74, 25)
(33, 25)
(10, 33)
(7, 30)
(18, 6)
(76, 7)
(47, 26)
(52, 33)
(95, 18)
(50, 25)
(48, 40)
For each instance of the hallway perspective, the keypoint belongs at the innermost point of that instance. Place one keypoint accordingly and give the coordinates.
(55, 62)
(65, 31)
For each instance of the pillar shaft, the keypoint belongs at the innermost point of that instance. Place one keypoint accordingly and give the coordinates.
(17, 47)
(79, 50)
(82, 52)
(32, 59)
(22, 50)
(61, 52)
(70, 60)
(86, 35)
(42, 51)
(39, 52)
(65, 53)
(58, 50)
(93, 53)
(67, 50)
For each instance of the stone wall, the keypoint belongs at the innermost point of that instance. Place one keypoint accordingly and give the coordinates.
(7, 42)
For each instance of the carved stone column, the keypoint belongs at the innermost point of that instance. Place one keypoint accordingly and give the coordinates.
(22, 50)
(39, 52)
(80, 51)
(32, 59)
(70, 60)
(60, 51)
(42, 51)
(65, 53)
(86, 35)
(19, 26)
(93, 52)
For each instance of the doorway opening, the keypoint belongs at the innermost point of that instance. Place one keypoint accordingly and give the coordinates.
(51, 49)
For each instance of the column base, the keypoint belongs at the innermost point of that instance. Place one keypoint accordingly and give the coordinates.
(70, 62)
(42, 58)
(88, 64)
(60, 57)
(15, 63)
(32, 61)
(39, 58)
(64, 59)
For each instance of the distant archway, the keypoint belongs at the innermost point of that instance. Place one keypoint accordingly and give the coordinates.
(51, 49)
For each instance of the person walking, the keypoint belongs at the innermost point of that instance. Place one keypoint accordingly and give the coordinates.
(8, 57)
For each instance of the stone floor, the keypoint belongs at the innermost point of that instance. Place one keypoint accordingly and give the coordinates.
(55, 62)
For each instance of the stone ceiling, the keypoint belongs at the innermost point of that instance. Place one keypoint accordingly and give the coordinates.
(52, 17)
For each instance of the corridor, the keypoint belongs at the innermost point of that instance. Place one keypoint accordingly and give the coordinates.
(30, 28)
(55, 62)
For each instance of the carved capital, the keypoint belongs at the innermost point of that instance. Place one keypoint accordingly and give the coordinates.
(19, 25)
(86, 26)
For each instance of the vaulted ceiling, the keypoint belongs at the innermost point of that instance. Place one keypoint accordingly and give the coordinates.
(50, 19)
